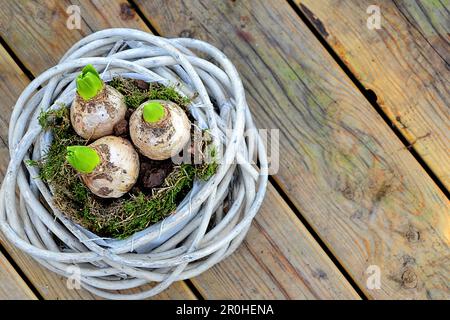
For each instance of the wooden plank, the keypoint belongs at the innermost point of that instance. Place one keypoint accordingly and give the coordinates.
(281, 260)
(13, 287)
(305, 253)
(13, 81)
(39, 28)
(406, 63)
(49, 285)
(347, 173)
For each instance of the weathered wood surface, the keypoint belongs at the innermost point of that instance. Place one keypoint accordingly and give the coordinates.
(13, 81)
(49, 285)
(280, 260)
(49, 42)
(12, 286)
(406, 63)
(341, 165)
(431, 20)
(38, 33)
(311, 274)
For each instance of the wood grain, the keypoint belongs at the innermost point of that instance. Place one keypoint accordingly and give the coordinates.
(40, 27)
(281, 260)
(49, 285)
(406, 63)
(341, 165)
(283, 268)
(430, 19)
(12, 287)
(13, 80)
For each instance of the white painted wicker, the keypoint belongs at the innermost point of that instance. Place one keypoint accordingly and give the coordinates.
(201, 233)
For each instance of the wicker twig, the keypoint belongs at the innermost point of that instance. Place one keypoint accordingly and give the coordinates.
(200, 233)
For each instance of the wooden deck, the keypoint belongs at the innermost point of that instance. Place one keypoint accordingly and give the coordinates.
(364, 143)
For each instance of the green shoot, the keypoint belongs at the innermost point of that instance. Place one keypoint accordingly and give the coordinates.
(118, 218)
(153, 112)
(89, 83)
(83, 159)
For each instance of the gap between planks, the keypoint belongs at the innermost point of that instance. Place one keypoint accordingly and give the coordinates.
(14, 285)
(215, 292)
(35, 270)
(282, 193)
(279, 189)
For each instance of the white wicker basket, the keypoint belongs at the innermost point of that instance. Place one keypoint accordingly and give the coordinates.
(182, 245)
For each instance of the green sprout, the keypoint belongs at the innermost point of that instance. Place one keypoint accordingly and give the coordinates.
(83, 159)
(153, 112)
(89, 83)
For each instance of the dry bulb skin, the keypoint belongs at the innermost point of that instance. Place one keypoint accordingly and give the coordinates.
(97, 107)
(159, 129)
(109, 166)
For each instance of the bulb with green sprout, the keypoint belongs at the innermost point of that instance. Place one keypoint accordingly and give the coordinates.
(109, 166)
(97, 107)
(159, 129)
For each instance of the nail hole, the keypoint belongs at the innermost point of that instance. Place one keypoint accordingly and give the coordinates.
(371, 96)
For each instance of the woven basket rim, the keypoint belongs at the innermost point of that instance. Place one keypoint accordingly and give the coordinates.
(194, 247)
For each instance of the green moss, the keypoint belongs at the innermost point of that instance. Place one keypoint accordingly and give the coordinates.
(209, 168)
(117, 218)
(146, 210)
(207, 171)
(53, 167)
(134, 95)
(89, 83)
(168, 93)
